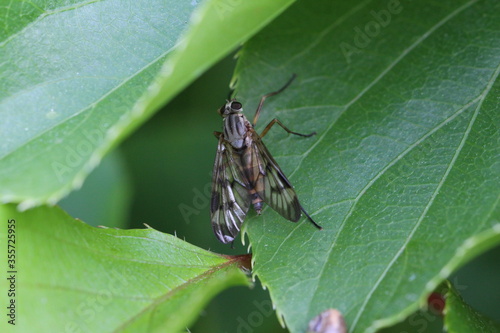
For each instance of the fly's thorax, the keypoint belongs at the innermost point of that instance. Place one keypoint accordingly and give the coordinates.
(235, 129)
(235, 123)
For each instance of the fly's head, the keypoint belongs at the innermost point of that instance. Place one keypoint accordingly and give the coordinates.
(231, 107)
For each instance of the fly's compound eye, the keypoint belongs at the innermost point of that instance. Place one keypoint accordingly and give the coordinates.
(236, 106)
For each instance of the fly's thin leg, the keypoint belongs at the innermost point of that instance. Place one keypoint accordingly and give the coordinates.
(259, 108)
(310, 219)
(276, 121)
(217, 134)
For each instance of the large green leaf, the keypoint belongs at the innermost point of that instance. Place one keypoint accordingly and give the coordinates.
(75, 78)
(405, 168)
(74, 277)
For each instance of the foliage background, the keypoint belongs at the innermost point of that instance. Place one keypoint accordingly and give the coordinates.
(167, 164)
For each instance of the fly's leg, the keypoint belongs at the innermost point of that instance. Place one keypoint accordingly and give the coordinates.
(261, 103)
(217, 135)
(276, 121)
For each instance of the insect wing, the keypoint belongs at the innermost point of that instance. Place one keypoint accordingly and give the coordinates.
(230, 198)
(273, 186)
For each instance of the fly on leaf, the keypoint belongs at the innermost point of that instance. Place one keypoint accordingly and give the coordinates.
(246, 174)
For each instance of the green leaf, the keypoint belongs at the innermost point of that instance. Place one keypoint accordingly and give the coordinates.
(71, 276)
(404, 171)
(460, 317)
(76, 78)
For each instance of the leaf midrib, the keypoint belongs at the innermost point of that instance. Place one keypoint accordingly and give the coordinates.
(196, 280)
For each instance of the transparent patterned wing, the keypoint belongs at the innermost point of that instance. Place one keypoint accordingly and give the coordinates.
(273, 186)
(230, 197)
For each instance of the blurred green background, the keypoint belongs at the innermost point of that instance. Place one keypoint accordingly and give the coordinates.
(161, 176)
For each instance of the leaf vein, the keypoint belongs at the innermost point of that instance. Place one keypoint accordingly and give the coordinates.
(481, 99)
